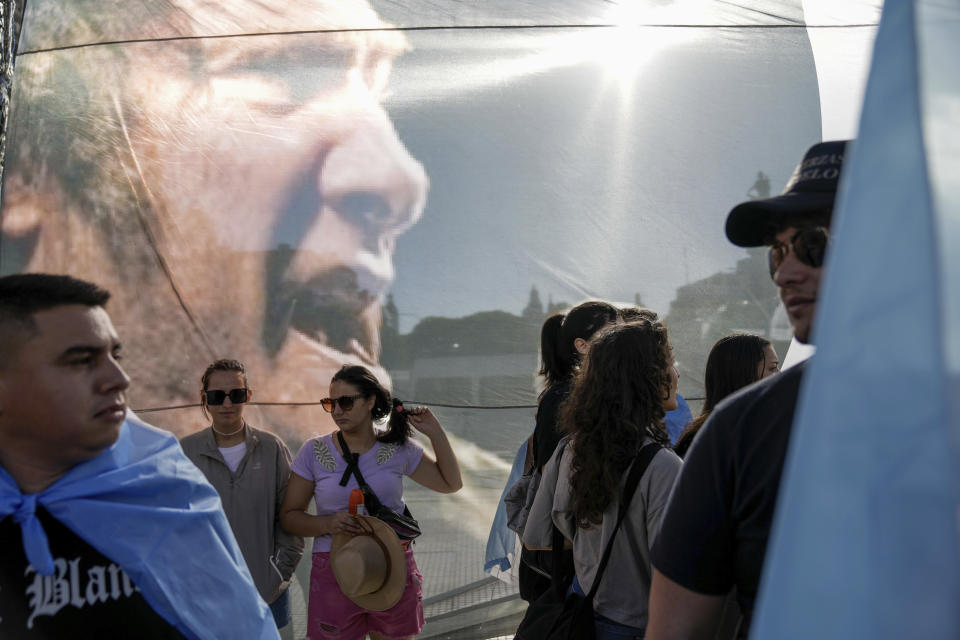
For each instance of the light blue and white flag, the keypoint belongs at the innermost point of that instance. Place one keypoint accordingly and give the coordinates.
(866, 541)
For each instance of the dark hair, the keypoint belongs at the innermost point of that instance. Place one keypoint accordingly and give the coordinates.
(733, 363)
(583, 321)
(367, 384)
(24, 294)
(616, 401)
(630, 314)
(224, 364)
(549, 356)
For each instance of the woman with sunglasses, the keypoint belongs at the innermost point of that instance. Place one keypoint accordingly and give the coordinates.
(357, 401)
(249, 468)
(616, 406)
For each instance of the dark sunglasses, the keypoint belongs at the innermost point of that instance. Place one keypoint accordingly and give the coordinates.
(345, 402)
(217, 396)
(808, 244)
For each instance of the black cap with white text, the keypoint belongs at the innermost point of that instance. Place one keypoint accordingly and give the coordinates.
(812, 188)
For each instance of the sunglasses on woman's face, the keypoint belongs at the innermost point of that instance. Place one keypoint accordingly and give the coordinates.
(217, 396)
(345, 402)
(809, 245)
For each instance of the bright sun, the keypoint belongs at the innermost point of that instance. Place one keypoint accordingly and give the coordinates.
(625, 39)
(642, 31)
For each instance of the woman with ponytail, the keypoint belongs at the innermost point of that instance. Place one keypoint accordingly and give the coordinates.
(574, 333)
(563, 343)
(357, 401)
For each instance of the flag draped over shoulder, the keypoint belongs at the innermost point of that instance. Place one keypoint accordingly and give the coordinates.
(145, 506)
(502, 542)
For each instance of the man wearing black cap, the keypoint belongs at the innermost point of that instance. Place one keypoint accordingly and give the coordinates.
(714, 535)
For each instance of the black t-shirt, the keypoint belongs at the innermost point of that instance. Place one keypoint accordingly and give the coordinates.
(714, 533)
(88, 596)
(546, 434)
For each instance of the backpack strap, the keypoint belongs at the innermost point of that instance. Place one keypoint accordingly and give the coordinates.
(640, 464)
(559, 581)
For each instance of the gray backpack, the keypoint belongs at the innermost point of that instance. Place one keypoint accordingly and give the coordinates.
(519, 497)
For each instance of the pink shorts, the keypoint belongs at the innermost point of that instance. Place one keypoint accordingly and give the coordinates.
(333, 616)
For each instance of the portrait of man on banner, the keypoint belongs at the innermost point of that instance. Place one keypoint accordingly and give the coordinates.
(241, 195)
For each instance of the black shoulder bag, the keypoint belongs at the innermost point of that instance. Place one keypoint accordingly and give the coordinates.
(404, 524)
(555, 616)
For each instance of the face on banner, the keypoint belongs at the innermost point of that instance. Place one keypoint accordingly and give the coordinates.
(250, 180)
(241, 197)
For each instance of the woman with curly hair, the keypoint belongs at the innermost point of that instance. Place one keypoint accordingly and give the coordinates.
(617, 404)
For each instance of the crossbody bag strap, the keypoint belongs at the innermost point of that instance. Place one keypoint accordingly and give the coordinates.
(640, 464)
(353, 462)
(371, 501)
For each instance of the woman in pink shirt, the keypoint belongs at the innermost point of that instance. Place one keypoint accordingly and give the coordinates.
(357, 400)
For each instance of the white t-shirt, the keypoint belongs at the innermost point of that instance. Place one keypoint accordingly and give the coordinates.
(233, 455)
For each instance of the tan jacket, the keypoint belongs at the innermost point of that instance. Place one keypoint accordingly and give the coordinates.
(251, 499)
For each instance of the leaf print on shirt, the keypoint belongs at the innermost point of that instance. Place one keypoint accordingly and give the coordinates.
(323, 454)
(386, 451)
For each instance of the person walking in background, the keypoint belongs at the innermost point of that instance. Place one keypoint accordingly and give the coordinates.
(735, 361)
(615, 407)
(324, 472)
(563, 343)
(249, 468)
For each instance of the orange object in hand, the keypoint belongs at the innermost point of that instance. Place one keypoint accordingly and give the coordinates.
(356, 503)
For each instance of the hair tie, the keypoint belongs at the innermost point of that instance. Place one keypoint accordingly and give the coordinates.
(397, 405)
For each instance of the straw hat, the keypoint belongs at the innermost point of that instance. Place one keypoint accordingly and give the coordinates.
(371, 567)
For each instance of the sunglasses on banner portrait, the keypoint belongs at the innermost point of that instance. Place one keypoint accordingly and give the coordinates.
(218, 396)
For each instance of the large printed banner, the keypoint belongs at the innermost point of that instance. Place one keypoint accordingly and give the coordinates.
(414, 187)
